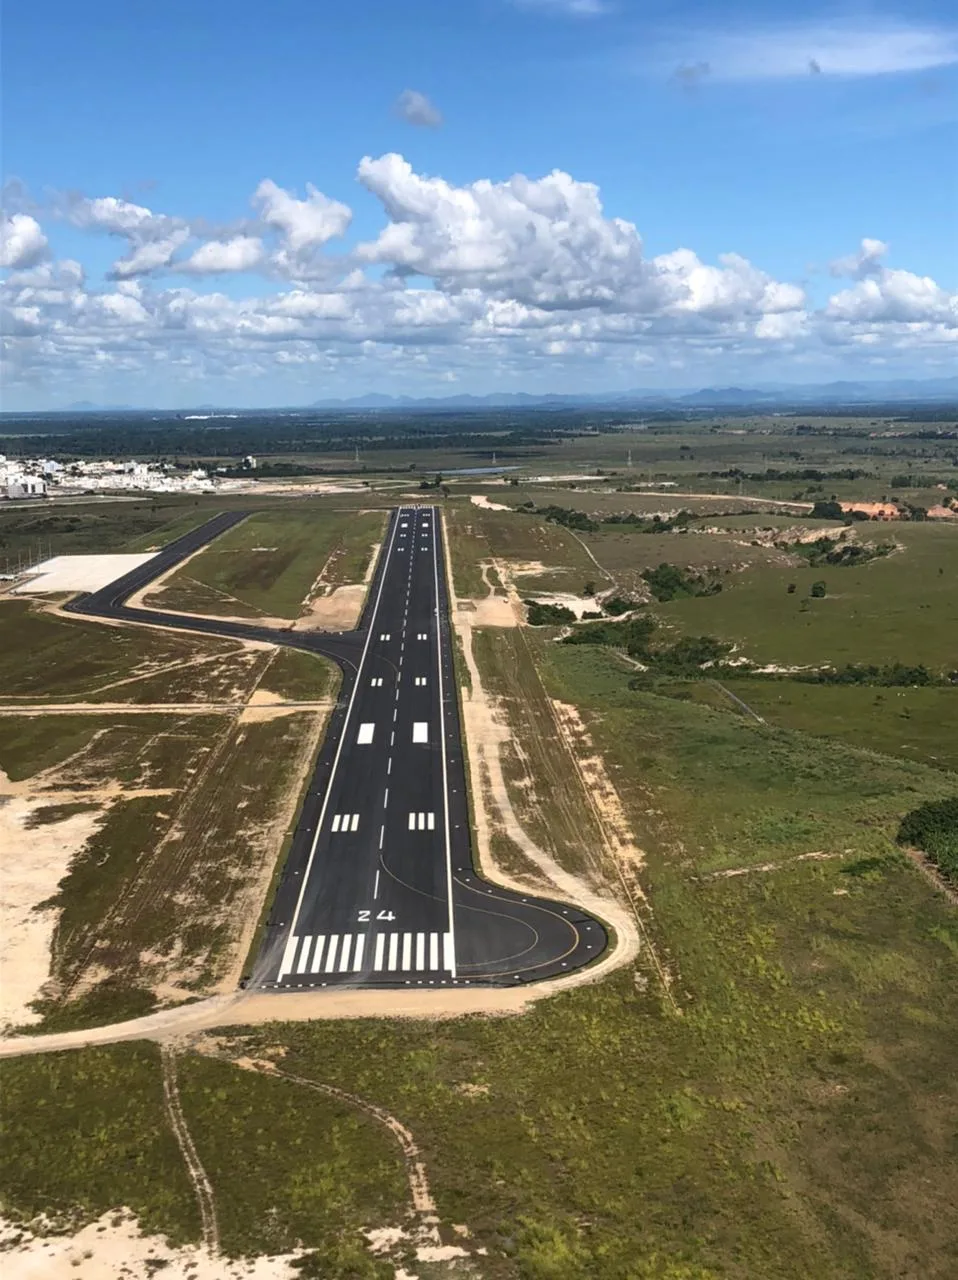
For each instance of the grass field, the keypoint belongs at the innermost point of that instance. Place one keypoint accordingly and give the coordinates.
(301, 676)
(556, 812)
(904, 607)
(101, 1132)
(43, 656)
(911, 723)
(477, 534)
(268, 564)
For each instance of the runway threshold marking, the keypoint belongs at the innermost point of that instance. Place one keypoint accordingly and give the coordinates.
(420, 731)
(365, 734)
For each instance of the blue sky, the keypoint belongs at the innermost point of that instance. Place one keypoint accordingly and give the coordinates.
(143, 269)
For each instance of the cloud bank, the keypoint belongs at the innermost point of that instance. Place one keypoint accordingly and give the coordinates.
(487, 282)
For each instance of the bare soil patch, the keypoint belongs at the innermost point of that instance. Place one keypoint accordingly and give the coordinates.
(35, 860)
(337, 611)
(113, 1248)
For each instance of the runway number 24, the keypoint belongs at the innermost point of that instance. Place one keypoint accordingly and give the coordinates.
(366, 916)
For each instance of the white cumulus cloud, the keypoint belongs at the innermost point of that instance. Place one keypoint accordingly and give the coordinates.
(303, 223)
(484, 279)
(22, 242)
(241, 253)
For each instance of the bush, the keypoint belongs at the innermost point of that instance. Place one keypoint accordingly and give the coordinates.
(547, 615)
(818, 591)
(690, 655)
(827, 510)
(668, 582)
(617, 605)
(933, 828)
(632, 636)
(894, 675)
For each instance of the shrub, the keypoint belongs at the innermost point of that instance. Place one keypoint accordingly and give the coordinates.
(547, 615)
(933, 828)
(632, 636)
(617, 605)
(818, 590)
(669, 582)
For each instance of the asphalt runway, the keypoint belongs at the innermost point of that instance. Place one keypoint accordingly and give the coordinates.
(379, 887)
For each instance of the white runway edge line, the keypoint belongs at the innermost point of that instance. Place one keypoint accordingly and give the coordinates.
(286, 963)
(451, 934)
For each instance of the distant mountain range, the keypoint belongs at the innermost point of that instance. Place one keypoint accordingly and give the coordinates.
(763, 396)
(767, 396)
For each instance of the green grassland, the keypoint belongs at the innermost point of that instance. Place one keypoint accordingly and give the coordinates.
(59, 658)
(268, 564)
(903, 607)
(911, 723)
(31, 744)
(626, 554)
(287, 1164)
(301, 676)
(508, 660)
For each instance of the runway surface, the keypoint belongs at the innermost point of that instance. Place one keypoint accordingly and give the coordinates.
(379, 887)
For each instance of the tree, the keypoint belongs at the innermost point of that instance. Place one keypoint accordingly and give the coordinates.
(589, 589)
(818, 590)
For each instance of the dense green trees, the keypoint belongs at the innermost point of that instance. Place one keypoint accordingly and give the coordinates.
(669, 582)
(933, 828)
(547, 615)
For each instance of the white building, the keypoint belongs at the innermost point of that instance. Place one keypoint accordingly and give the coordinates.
(26, 487)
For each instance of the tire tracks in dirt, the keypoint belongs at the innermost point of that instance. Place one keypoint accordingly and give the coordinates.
(202, 1187)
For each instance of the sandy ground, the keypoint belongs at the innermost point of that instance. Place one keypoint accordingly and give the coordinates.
(338, 611)
(33, 864)
(112, 1248)
(79, 573)
(491, 611)
(578, 604)
(480, 500)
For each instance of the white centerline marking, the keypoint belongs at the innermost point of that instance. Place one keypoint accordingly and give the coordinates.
(290, 943)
